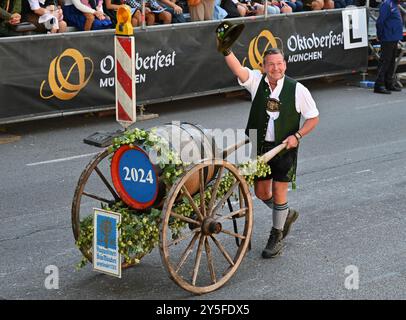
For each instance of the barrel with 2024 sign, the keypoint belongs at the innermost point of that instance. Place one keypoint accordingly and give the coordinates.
(209, 188)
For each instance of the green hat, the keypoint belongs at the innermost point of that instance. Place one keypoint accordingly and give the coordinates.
(227, 33)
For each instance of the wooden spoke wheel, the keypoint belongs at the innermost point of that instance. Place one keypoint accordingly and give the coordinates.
(94, 188)
(203, 256)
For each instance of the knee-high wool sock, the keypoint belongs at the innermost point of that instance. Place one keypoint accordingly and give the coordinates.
(279, 214)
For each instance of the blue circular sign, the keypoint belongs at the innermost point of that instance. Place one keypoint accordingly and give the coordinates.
(137, 181)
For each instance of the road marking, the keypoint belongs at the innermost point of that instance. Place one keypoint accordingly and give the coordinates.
(362, 171)
(61, 159)
(380, 104)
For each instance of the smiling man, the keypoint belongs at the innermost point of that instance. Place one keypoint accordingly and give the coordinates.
(278, 102)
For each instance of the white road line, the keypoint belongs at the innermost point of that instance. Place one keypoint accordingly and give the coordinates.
(362, 171)
(61, 160)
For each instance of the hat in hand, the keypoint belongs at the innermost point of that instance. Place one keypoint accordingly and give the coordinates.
(227, 33)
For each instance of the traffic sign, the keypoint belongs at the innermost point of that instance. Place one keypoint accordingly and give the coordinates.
(125, 80)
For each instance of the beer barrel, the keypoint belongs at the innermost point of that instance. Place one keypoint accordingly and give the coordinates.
(191, 142)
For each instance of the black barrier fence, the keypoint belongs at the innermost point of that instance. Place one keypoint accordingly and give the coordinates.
(53, 75)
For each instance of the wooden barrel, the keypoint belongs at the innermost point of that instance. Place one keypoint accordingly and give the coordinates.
(192, 143)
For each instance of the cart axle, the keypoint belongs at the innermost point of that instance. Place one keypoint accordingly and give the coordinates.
(211, 226)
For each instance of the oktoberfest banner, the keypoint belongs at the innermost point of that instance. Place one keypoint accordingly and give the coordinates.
(56, 74)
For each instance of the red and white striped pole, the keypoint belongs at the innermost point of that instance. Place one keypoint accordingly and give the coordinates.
(124, 49)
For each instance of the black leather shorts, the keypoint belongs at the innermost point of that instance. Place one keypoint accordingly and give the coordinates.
(283, 165)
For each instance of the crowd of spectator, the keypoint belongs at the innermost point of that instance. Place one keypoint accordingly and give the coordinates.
(53, 16)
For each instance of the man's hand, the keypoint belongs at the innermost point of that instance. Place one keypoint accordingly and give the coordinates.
(291, 142)
(224, 52)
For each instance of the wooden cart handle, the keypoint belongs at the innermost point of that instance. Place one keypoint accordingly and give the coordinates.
(265, 157)
(272, 153)
(234, 147)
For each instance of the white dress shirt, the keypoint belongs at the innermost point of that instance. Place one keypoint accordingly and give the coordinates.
(304, 101)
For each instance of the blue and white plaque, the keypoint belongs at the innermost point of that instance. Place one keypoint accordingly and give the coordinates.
(106, 255)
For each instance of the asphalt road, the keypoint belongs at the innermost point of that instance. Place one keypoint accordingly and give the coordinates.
(351, 198)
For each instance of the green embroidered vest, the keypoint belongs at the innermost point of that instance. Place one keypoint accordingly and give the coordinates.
(288, 121)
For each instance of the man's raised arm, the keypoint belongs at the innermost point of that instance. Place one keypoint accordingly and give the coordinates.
(236, 67)
(226, 35)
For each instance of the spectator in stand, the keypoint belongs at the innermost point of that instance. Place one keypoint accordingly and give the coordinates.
(339, 4)
(161, 13)
(174, 8)
(273, 7)
(244, 8)
(296, 5)
(46, 15)
(219, 13)
(284, 7)
(314, 5)
(232, 8)
(86, 15)
(249, 8)
(111, 7)
(201, 9)
(235, 8)
(10, 15)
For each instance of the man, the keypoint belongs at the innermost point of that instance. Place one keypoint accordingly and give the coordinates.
(389, 28)
(10, 11)
(277, 104)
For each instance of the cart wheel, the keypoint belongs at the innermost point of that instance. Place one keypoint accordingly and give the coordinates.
(208, 229)
(93, 189)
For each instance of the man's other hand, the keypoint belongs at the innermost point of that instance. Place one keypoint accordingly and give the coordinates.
(291, 142)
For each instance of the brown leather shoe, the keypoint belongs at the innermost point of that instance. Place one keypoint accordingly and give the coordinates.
(274, 246)
(292, 217)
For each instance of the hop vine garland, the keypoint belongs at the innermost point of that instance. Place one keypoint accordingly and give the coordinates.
(139, 231)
